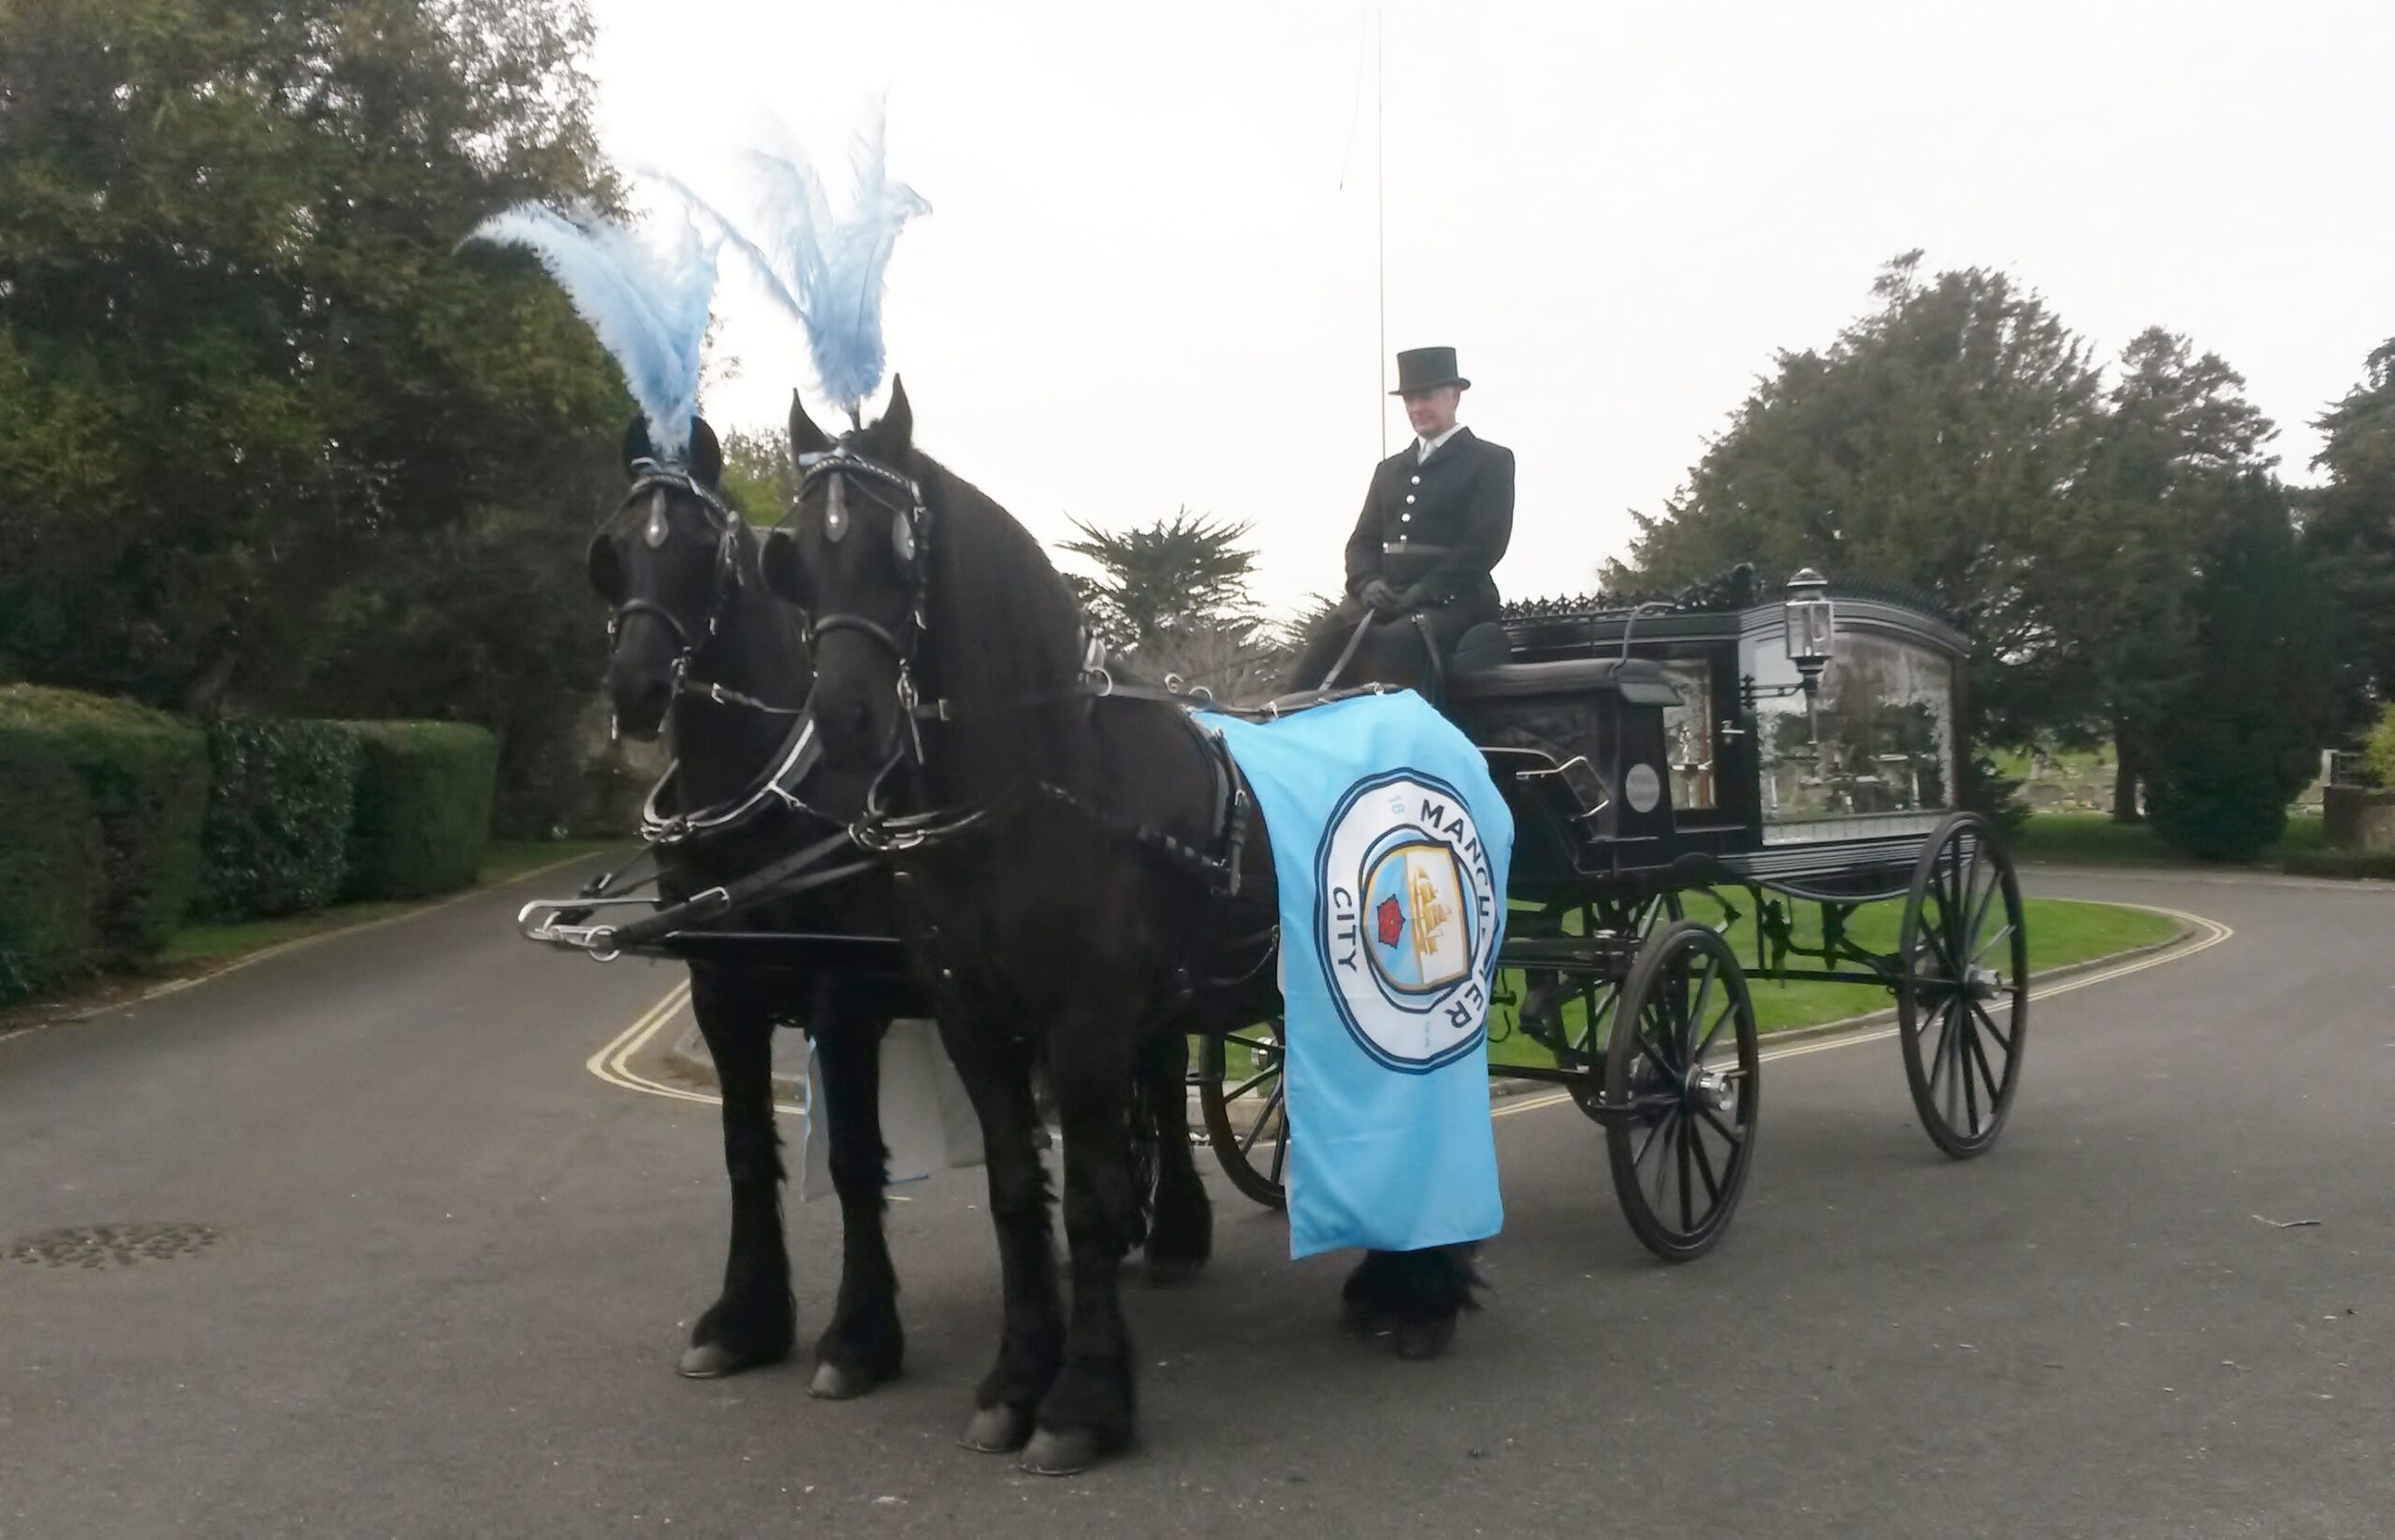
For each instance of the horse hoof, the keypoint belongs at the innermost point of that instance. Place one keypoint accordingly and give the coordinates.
(833, 1382)
(1066, 1453)
(714, 1360)
(996, 1430)
(1169, 1273)
(1422, 1340)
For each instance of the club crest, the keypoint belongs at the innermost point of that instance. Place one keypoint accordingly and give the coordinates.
(1407, 919)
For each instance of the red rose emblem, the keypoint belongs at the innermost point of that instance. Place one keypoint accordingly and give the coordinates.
(1392, 922)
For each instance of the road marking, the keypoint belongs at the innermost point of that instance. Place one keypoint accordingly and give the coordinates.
(613, 1063)
(2215, 934)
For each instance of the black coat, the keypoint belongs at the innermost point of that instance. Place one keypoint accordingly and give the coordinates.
(1437, 526)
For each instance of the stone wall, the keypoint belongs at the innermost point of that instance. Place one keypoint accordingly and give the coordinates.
(2357, 819)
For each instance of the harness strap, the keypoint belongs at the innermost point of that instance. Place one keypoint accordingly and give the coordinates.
(784, 878)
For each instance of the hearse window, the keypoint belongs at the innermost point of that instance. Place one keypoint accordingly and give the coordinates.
(1688, 736)
(1883, 761)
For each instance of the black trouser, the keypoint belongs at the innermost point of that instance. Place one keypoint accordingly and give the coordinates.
(1392, 651)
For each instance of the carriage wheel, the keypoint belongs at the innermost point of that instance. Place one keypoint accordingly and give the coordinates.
(1681, 1076)
(1600, 997)
(1255, 1158)
(1963, 991)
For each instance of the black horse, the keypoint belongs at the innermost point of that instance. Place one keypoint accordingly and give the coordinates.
(1078, 876)
(703, 652)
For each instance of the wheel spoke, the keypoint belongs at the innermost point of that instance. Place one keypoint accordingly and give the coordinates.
(1266, 1045)
(1251, 1084)
(1729, 1007)
(1704, 1164)
(1663, 1167)
(1280, 1148)
(1987, 1073)
(1994, 1031)
(1738, 1140)
(1992, 941)
(1704, 992)
(1261, 1119)
(1654, 1131)
(1938, 1058)
(1962, 1069)
(1687, 1198)
(1950, 1046)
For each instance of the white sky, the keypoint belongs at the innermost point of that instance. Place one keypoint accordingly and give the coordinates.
(1142, 285)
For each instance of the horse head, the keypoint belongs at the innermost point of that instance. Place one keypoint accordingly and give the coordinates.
(853, 557)
(669, 561)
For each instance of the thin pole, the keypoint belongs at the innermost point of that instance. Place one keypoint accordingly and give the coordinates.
(1380, 221)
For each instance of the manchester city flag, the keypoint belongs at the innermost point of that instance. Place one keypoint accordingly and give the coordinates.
(1390, 844)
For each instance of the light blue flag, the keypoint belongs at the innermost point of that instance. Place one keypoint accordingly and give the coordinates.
(1390, 844)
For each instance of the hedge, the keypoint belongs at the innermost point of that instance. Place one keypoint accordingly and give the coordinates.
(52, 887)
(280, 798)
(146, 776)
(422, 808)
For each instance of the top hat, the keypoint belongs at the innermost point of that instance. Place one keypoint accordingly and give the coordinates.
(1427, 369)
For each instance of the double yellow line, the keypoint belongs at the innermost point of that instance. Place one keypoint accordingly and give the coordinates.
(2212, 933)
(613, 1063)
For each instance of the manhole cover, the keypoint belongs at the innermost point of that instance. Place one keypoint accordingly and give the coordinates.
(110, 1246)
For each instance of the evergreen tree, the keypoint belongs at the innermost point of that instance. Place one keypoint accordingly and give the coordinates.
(2350, 532)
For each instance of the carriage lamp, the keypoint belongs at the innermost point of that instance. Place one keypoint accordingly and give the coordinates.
(1810, 620)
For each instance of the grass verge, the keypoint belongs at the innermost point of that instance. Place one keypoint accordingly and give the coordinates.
(195, 950)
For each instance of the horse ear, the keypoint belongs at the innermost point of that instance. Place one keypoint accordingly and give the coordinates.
(779, 560)
(805, 437)
(636, 444)
(606, 569)
(706, 455)
(896, 431)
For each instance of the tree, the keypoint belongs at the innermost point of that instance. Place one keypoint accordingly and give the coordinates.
(243, 364)
(759, 473)
(1171, 598)
(2176, 444)
(2243, 736)
(2351, 530)
(1937, 442)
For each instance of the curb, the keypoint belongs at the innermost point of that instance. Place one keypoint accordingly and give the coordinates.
(688, 1055)
(234, 965)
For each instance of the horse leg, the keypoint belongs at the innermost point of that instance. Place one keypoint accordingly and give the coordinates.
(1181, 1235)
(1416, 1295)
(1087, 1412)
(1031, 1344)
(754, 1320)
(864, 1343)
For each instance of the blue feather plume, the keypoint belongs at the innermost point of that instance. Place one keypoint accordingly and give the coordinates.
(647, 303)
(827, 271)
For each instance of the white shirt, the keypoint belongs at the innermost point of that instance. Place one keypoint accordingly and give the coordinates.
(1425, 449)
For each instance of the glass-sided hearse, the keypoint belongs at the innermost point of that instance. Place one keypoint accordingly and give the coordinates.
(1786, 757)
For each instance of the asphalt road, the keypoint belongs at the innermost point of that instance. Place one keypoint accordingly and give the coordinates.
(449, 1269)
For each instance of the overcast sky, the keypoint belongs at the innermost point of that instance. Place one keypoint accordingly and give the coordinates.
(1142, 285)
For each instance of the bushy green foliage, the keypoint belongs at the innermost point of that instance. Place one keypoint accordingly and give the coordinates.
(423, 805)
(145, 775)
(50, 868)
(2243, 737)
(279, 799)
(259, 412)
(2378, 750)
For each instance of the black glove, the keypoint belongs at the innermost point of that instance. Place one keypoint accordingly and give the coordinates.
(1377, 596)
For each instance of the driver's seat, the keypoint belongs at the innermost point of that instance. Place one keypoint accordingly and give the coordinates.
(1484, 645)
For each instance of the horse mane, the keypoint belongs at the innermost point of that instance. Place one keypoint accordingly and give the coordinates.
(1003, 625)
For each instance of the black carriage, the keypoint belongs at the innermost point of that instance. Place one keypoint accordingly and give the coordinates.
(1769, 754)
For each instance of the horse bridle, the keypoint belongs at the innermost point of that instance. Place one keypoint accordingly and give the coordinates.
(656, 478)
